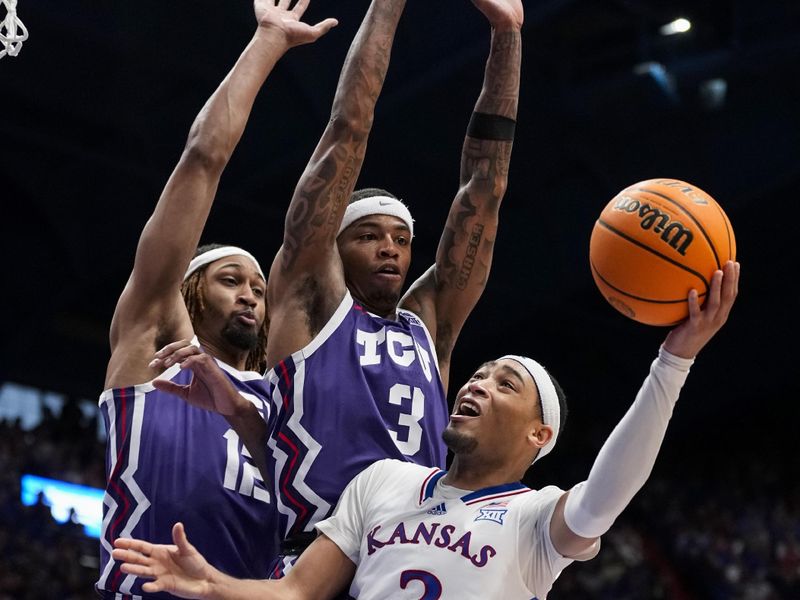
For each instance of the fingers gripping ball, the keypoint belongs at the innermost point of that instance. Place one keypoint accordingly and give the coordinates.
(655, 241)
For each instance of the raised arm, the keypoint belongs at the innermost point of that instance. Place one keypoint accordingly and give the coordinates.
(179, 569)
(151, 299)
(446, 294)
(626, 459)
(307, 259)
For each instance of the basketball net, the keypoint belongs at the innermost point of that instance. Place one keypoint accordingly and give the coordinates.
(12, 31)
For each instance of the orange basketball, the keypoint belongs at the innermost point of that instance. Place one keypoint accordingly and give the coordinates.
(655, 241)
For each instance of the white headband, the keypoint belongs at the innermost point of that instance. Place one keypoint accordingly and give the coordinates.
(377, 205)
(551, 411)
(205, 258)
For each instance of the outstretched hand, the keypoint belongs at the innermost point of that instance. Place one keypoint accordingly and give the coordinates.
(502, 14)
(177, 569)
(276, 15)
(210, 389)
(688, 338)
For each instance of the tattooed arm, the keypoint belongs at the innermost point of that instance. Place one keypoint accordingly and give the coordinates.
(306, 279)
(445, 295)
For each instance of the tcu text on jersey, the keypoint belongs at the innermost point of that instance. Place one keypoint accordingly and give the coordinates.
(397, 346)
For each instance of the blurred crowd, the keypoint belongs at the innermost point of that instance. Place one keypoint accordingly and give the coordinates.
(710, 534)
(40, 558)
(716, 534)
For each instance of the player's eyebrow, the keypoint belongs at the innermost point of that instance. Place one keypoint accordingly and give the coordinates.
(366, 224)
(515, 373)
(235, 265)
(488, 364)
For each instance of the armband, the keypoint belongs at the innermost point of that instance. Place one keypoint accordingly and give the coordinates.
(484, 126)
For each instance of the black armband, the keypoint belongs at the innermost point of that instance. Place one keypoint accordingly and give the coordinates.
(483, 126)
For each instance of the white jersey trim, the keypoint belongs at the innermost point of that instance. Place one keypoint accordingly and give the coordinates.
(107, 395)
(332, 325)
(107, 499)
(431, 344)
(142, 502)
(299, 482)
(169, 373)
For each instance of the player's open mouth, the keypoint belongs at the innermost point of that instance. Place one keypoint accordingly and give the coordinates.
(467, 408)
(388, 271)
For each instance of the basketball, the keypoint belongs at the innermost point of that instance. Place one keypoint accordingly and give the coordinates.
(655, 241)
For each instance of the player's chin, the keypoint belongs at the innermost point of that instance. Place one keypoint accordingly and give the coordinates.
(240, 335)
(459, 442)
(384, 298)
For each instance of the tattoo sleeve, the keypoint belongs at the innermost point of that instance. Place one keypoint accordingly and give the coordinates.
(468, 239)
(465, 250)
(322, 194)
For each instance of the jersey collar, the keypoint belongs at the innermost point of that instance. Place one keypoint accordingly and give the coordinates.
(489, 493)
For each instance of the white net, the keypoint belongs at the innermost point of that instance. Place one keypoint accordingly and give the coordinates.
(12, 31)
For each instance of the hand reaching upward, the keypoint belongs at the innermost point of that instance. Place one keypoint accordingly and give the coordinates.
(277, 15)
(502, 14)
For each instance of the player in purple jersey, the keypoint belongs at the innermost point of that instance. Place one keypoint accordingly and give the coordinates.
(361, 370)
(474, 532)
(167, 460)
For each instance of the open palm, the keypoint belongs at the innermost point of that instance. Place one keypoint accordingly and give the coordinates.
(178, 569)
(282, 16)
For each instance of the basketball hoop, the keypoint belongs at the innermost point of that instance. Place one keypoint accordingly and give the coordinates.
(12, 31)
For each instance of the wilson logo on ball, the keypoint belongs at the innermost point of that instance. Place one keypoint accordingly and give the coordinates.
(655, 241)
(672, 232)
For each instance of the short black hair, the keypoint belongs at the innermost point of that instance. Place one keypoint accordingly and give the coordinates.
(207, 247)
(370, 193)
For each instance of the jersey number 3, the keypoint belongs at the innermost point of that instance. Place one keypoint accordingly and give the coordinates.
(409, 421)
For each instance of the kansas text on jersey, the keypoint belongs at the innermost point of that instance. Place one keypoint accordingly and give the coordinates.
(413, 537)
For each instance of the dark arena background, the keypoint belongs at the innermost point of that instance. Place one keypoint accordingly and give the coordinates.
(94, 113)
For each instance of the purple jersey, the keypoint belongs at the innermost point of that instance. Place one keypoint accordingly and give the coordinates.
(365, 389)
(167, 461)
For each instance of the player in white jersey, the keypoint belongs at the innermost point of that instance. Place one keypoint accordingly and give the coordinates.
(166, 459)
(404, 531)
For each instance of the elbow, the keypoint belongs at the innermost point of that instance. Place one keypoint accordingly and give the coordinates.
(483, 184)
(206, 154)
(348, 124)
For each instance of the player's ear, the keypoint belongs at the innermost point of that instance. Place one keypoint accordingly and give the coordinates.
(539, 435)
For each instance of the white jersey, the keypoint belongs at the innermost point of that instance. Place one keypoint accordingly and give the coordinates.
(413, 537)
